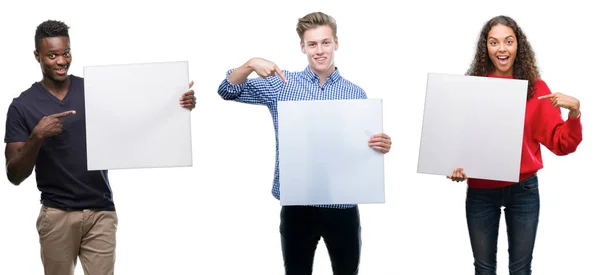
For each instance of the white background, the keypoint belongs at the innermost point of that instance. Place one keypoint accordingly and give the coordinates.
(219, 217)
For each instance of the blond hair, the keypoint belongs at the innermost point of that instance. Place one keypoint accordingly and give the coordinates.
(313, 20)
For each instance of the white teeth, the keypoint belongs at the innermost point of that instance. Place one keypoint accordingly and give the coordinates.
(503, 57)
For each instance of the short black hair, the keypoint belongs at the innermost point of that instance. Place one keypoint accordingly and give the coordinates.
(50, 28)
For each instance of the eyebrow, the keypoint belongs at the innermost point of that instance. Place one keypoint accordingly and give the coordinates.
(326, 39)
(56, 51)
(510, 36)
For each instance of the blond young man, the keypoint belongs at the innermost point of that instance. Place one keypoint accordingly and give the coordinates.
(302, 226)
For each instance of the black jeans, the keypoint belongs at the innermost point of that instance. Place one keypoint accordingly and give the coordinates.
(301, 229)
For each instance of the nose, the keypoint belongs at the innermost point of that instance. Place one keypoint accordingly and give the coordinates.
(502, 47)
(319, 49)
(61, 60)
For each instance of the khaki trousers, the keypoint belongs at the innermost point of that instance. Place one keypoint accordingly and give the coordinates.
(87, 234)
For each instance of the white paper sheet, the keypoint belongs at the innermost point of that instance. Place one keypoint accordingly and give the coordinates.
(133, 117)
(324, 157)
(474, 123)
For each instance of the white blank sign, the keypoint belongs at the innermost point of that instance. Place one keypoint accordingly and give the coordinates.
(474, 123)
(133, 117)
(324, 157)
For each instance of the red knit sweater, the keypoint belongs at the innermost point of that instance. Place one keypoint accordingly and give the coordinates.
(543, 125)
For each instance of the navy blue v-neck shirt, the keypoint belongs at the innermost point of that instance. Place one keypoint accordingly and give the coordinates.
(61, 165)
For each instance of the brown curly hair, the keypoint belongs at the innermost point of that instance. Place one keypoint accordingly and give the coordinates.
(525, 65)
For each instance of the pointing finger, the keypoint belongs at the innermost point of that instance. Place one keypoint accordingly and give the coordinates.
(547, 96)
(280, 73)
(63, 114)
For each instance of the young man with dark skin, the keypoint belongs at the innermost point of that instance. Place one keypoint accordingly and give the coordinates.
(45, 130)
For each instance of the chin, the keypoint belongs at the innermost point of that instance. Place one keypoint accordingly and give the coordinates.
(503, 72)
(61, 79)
(321, 68)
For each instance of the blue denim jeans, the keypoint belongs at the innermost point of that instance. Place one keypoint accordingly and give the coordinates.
(521, 203)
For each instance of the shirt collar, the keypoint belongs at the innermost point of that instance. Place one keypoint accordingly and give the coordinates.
(312, 76)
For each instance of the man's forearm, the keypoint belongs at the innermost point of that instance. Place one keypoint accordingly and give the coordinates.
(239, 75)
(20, 166)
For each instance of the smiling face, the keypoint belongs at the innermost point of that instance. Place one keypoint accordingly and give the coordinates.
(319, 44)
(502, 49)
(54, 56)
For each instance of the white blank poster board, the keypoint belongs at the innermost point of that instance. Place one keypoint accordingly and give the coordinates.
(474, 123)
(133, 117)
(324, 157)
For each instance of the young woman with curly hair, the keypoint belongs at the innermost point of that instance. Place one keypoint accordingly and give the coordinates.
(504, 52)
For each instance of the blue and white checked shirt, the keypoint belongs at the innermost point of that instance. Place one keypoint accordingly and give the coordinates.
(303, 85)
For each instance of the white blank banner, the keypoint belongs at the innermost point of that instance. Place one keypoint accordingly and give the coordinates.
(474, 123)
(133, 117)
(324, 157)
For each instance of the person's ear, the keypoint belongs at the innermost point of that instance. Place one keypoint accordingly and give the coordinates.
(37, 55)
(336, 43)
